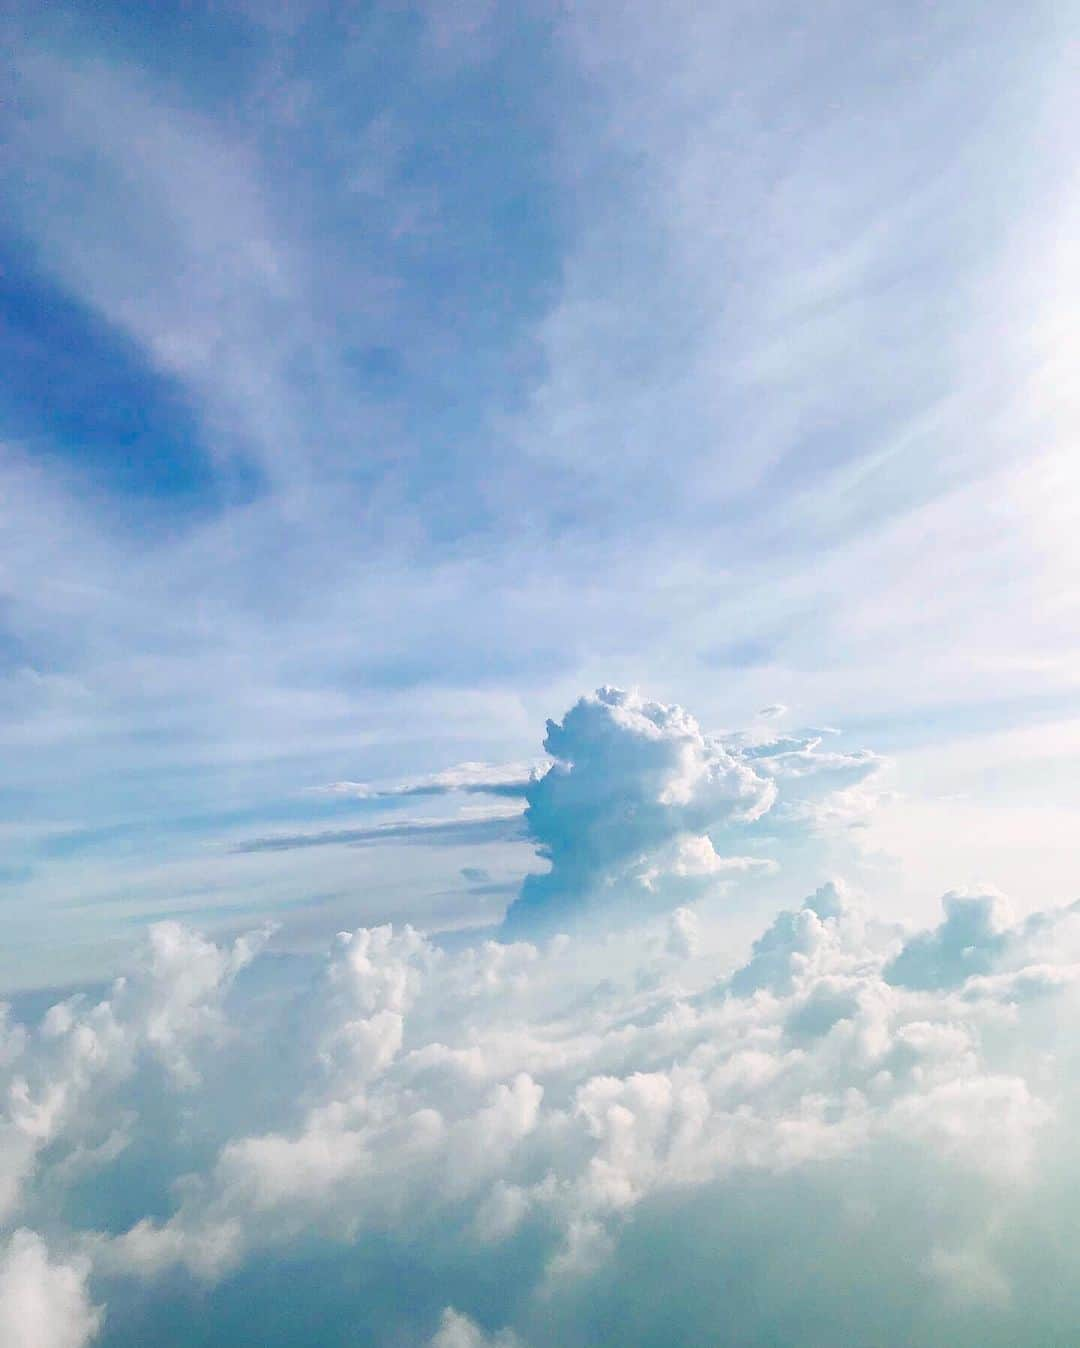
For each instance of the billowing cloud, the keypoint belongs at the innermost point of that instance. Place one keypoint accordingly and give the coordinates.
(979, 936)
(971, 940)
(636, 808)
(64, 1081)
(458, 1331)
(43, 1302)
(638, 793)
(550, 1137)
(843, 1132)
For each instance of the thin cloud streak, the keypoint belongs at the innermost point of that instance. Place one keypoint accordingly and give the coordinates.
(488, 779)
(486, 828)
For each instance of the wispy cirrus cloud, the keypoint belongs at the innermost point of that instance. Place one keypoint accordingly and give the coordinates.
(488, 826)
(489, 779)
(401, 316)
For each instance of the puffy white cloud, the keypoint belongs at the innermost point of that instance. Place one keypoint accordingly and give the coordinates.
(458, 1331)
(849, 1133)
(543, 1108)
(43, 1302)
(639, 793)
(975, 932)
(62, 1083)
(981, 946)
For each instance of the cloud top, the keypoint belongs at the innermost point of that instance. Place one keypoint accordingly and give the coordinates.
(638, 791)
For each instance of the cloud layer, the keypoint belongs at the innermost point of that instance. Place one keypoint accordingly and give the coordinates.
(848, 1133)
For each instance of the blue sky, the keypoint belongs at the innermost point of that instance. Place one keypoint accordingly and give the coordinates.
(382, 377)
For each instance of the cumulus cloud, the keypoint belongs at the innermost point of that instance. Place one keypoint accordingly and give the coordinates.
(847, 1132)
(638, 793)
(536, 1117)
(458, 1331)
(635, 807)
(64, 1079)
(43, 1302)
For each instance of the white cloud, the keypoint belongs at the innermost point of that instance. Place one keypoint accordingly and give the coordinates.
(458, 1331)
(62, 1081)
(543, 1107)
(476, 825)
(499, 779)
(540, 1108)
(638, 794)
(43, 1301)
(683, 933)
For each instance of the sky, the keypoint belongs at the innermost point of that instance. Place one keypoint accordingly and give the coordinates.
(498, 505)
(380, 378)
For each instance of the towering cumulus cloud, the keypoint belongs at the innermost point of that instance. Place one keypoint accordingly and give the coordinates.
(629, 1131)
(638, 794)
